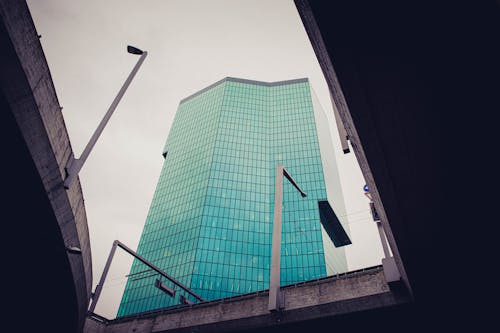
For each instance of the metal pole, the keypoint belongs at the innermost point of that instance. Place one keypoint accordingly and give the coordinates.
(98, 288)
(383, 240)
(276, 301)
(275, 297)
(116, 243)
(340, 128)
(158, 270)
(376, 219)
(76, 164)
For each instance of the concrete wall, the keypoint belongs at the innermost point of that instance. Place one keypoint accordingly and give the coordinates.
(28, 88)
(389, 79)
(370, 137)
(317, 299)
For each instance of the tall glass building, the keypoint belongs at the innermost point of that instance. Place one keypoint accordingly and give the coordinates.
(210, 221)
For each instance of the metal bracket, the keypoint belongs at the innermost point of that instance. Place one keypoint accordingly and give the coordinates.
(185, 300)
(163, 287)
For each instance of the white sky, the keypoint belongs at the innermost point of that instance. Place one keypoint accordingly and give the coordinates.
(191, 44)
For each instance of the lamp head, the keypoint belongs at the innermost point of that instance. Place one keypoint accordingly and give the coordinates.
(74, 250)
(134, 50)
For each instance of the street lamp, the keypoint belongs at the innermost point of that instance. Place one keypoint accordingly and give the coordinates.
(276, 301)
(158, 283)
(391, 271)
(75, 164)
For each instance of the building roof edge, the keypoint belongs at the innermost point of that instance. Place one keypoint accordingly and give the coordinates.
(239, 80)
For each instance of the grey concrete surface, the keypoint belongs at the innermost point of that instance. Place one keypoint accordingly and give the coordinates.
(383, 62)
(339, 102)
(27, 86)
(327, 297)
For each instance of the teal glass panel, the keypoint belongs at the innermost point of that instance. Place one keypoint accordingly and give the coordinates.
(210, 220)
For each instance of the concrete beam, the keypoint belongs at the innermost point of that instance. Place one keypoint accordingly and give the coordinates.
(28, 89)
(357, 291)
(341, 105)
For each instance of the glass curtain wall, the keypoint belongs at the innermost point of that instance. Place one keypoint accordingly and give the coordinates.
(210, 221)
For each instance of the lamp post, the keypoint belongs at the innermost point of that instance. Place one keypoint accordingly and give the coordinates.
(376, 219)
(75, 164)
(276, 301)
(171, 292)
(391, 270)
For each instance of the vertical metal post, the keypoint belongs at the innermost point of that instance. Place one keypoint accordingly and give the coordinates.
(341, 129)
(383, 240)
(98, 288)
(391, 271)
(275, 296)
(76, 164)
(376, 219)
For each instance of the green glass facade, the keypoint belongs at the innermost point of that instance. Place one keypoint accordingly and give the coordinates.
(210, 220)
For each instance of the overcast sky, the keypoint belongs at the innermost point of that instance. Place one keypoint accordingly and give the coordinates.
(191, 44)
